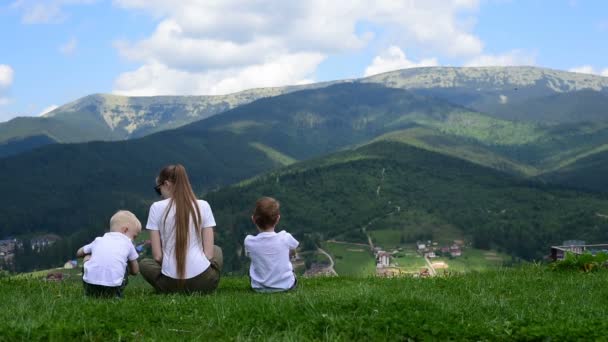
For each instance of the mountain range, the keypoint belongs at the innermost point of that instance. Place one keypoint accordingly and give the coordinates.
(513, 93)
(447, 134)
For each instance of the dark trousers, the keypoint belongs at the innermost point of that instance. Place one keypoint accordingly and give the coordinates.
(273, 290)
(205, 282)
(101, 291)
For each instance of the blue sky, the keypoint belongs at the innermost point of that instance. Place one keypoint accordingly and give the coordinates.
(55, 51)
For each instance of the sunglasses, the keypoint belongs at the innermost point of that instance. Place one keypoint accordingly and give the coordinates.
(157, 189)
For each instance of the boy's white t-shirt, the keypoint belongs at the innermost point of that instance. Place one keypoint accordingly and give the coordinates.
(196, 261)
(108, 263)
(270, 265)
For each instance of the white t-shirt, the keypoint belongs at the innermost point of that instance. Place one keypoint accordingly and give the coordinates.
(108, 263)
(196, 261)
(270, 265)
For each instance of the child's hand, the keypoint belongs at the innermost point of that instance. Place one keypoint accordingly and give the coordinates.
(86, 258)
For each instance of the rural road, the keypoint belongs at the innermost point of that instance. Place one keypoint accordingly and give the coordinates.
(331, 261)
(431, 268)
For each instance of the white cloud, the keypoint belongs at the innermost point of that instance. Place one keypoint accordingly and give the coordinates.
(48, 110)
(583, 69)
(394, 58)
(6, 75)
(156, 78)
(45, 11)
(511, 58)
(6, 80)
(588, 69)
(69, 47)
(210, 47)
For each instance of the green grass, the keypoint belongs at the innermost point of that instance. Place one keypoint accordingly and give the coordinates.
(523, 304)
(474, 260)
(410, 262)
(351, 259)
(405, 227)
(273, 154)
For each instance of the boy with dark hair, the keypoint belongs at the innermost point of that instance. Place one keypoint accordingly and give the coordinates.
(271, 269)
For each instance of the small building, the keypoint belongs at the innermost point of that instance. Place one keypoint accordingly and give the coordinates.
(430, 255)
(43, 241)
(383, 259)
(559, 252)
(7, 246)
(421, 246)
(455, 250)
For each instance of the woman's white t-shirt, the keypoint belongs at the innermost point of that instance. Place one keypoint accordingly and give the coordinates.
(196, 261)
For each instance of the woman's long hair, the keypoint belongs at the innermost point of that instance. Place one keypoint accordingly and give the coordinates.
(186, 209)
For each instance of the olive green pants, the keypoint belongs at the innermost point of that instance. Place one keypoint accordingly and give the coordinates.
(205, 282)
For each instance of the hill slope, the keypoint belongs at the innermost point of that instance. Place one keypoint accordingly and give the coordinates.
(94, 179)
(113, 117)
(390, 183)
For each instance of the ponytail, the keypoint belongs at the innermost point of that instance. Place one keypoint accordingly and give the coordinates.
(186, 209)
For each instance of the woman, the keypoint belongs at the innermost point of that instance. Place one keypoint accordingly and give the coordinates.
(181, 235)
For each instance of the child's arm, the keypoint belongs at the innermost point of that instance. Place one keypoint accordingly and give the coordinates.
(133, 267)
(85, 250)
(292, 244)
(80, 253)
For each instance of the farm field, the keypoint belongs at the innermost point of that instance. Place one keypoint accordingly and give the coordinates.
(351, 259)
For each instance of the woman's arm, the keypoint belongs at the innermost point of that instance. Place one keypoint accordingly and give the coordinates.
(157, 248)
(208, 242)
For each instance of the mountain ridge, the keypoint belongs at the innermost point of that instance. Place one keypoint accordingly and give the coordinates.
(498, 91)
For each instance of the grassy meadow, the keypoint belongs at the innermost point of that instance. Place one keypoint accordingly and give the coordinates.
(529, 303)
(351, 259)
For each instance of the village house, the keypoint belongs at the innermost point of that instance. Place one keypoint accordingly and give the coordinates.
(43, 241)
(383, 259)
(7, 250)
(455, 251)
(8, 245)
(576, 247)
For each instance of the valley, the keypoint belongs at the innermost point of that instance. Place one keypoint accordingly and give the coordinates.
(342, 157)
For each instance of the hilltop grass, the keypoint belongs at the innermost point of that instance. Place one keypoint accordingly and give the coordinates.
(530, 303)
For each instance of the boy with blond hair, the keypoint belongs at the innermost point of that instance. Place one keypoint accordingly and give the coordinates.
(109, 258)
(271, 269)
